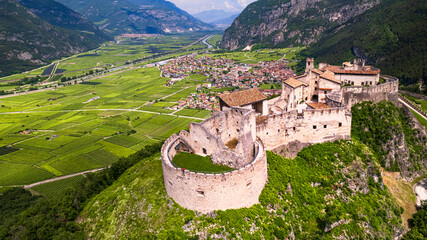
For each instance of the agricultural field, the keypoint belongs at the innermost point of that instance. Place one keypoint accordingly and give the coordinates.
(215, 39)
(117, 53)
(88, 126)
(91, 125)
(251, 57)
(52, 189)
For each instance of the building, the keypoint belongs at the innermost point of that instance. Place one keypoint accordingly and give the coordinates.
(313, 108)
(247, 99)
(354, 74)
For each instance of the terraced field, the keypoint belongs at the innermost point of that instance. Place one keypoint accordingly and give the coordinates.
(88, 126)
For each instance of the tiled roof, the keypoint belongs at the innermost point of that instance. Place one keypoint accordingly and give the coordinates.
(316, 105)
(292, 82)
(328, 75)
(301, 76)
(317, 71)
(242, 98)
(341, 70)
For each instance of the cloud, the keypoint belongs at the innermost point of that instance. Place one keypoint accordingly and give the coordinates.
(245, 3)
(228, 6)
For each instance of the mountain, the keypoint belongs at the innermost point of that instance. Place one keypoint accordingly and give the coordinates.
(137, 16)
(216, 16)
(46, 30)
(391, 36)
(225, 21)
(290, 22)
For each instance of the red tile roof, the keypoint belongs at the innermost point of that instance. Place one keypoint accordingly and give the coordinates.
(328, 75)
(243, 98)
(316, 105)
(317, 71)
(341, 70)
(292, 82)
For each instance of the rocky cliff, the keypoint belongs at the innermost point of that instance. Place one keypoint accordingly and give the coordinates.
(137, 16)
(396, 138)
(290, 22)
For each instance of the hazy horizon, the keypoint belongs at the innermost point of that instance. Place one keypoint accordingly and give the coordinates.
(196, 6)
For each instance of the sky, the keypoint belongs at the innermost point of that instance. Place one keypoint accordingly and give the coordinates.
(195, 6)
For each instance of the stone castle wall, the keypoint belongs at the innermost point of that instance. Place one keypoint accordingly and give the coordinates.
(208, 192)
(309, 127)
(214, 134)
(354, 95)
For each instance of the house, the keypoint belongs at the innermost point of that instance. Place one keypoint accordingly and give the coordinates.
(250, 99)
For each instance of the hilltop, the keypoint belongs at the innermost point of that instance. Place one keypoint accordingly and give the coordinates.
(137, 16)
(38, 31)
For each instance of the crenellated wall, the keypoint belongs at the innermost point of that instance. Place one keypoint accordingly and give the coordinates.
(309, 127)
(208, 192)
(354, 95)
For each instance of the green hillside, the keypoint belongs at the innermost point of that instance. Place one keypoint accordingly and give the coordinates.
(29, 41)
(319, 195)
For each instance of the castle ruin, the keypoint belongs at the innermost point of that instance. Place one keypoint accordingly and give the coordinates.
(313, 108)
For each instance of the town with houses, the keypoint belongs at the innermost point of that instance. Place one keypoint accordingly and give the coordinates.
(223, 73)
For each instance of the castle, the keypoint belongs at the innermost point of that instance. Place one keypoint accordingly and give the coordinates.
(313, 108)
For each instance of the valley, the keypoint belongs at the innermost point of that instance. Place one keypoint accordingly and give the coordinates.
(289, 119)
(95, 107)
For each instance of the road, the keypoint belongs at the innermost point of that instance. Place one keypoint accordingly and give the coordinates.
(103, 110)
(61, 177)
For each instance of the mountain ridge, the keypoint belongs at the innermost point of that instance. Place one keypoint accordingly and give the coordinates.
(137, 16)
(28, 41)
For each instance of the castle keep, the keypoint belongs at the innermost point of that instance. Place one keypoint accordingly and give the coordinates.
(313, 108)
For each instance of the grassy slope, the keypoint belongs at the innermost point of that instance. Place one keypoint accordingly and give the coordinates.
(197, 163)
(136, 205)
(89, 139)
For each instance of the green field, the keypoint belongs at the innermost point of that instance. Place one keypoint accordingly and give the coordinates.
(87, 126)
(251, 57)
(197, 163)
(52, 189)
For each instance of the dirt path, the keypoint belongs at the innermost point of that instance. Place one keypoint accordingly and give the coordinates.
(60, 178)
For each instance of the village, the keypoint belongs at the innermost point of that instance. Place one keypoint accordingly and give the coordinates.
(224, 74)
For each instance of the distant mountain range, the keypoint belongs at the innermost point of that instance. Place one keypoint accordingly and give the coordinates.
(137, 16)
(33, 32)
(390, 34)
(219, 18)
